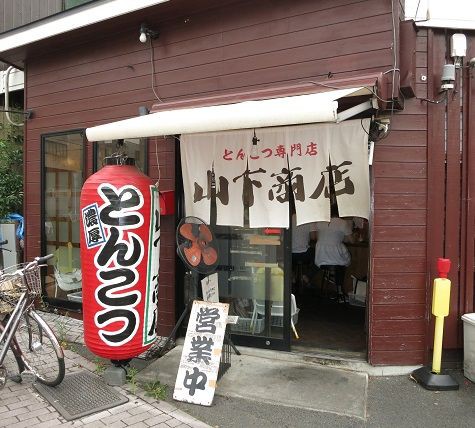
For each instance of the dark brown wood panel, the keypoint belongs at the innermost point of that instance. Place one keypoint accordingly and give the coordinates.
(401, 217)
(399, 296)
(399, 312)
(404, 138)
(405, 122)
(399, 343)
(399, 249)
(387, 201)
(399, 327)
(399, 233)
(407, 264)
(213, 65)
(400, 170)
(400, 154)
(400, 185)
(401, 280)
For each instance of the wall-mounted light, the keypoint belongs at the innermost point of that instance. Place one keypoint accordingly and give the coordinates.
(146, 33)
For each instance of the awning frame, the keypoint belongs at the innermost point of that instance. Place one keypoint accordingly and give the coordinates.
(244, 113)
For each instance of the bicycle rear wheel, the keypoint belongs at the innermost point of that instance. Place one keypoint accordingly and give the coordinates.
(41, 350)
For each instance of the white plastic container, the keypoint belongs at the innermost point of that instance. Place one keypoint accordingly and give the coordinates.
(469, 346)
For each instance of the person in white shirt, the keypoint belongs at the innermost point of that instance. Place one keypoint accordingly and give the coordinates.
(330, 251)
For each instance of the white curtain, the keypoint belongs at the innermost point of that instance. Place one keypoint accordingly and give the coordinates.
(269, 170)
(229, 164)
(196, 165)
(349, 160)
(308, 161)
(309, 154)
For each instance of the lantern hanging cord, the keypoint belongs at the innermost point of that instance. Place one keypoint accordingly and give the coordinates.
(157, 184)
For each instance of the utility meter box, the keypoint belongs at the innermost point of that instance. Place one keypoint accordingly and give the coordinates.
(10, 251)
(469, 346)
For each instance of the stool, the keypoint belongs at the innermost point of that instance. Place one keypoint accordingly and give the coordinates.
(299, 283)
(329, 278)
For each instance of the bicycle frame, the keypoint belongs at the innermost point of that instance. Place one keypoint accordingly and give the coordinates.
(12, 324)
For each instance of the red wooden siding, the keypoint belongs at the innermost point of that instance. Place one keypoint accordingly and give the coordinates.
(451, 171)
(99, 76)
(398, 276)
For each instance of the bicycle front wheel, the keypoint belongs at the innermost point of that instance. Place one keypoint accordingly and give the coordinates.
(41, 350)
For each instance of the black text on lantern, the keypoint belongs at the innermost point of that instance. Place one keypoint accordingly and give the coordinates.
(116, 263)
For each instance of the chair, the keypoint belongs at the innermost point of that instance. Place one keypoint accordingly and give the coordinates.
(277, 313)
(67, 281)
(67, 278)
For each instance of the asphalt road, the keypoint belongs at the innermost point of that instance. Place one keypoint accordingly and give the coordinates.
(392, 402)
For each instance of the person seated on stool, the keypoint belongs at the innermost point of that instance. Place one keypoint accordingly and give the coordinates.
(302, 252)
(330, 251)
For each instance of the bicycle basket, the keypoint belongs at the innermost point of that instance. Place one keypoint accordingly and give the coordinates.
(12, 278)
(10, 292)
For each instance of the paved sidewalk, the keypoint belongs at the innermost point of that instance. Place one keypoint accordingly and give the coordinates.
(22, 406)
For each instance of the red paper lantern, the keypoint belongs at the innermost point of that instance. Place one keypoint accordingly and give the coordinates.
(120, 236)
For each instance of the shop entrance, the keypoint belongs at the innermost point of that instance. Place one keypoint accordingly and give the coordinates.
(245, 185)
(331, 298)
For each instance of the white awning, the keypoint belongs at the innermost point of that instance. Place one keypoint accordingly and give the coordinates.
(294, 110)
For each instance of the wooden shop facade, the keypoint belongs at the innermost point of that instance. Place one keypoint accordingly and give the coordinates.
(384, 73)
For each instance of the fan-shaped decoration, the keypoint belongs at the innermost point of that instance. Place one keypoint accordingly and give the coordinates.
(196, 245)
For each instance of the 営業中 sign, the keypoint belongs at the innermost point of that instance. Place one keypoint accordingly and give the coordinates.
(199, 364)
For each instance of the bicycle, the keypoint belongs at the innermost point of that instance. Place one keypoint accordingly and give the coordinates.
(23, 332)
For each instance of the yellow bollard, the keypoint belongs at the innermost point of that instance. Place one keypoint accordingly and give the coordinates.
(433, 379)
(440, 309)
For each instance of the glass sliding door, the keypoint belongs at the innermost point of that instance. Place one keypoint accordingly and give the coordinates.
(63, 176)
(253, 279)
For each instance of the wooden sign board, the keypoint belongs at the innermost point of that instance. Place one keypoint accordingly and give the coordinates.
(199, 364)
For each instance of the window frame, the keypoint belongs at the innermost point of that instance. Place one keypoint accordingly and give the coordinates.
(52, 301)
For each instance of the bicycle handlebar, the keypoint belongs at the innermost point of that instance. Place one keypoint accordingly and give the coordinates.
(42, 260)
(4, 242)
(39, 261)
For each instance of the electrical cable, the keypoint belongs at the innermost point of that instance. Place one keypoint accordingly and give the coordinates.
(153, 69)
(157, 184)
(434, 101)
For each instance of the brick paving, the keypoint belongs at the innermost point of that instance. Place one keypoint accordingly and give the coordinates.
(22, 406)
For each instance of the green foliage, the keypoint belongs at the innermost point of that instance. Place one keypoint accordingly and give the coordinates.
(131, 377)
(100, 365)
(11, 170)
(156, 390)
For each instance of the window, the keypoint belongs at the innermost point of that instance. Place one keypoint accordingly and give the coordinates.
(63, 177)
(133, 147)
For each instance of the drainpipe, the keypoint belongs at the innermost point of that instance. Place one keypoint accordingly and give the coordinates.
(6, 81)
